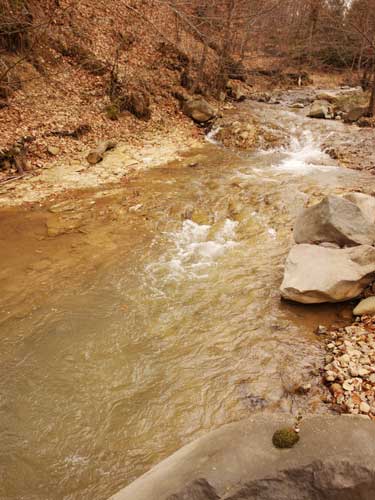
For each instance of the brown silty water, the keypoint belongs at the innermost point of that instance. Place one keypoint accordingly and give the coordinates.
(131, 332)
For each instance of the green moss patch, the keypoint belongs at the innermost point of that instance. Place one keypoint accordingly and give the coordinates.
(285, 438)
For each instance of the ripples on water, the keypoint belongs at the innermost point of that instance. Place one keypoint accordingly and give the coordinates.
(169, 339)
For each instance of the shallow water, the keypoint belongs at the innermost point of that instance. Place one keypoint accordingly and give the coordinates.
(176, 329)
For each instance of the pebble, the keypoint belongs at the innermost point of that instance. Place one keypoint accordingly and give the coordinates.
(349, 369)
(364, 408)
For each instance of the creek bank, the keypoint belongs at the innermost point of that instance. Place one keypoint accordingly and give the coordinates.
(334, 458)
(58, 178)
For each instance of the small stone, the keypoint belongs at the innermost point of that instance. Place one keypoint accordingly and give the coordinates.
(364, 407)
(336, 389)
(135, 208)
(321, 330)
(347, 386)
(53, 150)
(366, 306)
(344, 360)
(356, 399)
(340, 399)
(330, 376)
(303, 388)
(362, 372)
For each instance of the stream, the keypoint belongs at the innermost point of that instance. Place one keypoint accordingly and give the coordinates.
(160, 319)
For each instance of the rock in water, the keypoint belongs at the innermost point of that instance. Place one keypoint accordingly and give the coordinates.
(334, 220)
(320, 109)
(315, 274)
(199, 109)
(365, 203)
(366, 306)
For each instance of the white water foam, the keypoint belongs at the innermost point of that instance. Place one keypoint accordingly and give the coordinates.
(304, 156)
(196, 248)
(210, 137)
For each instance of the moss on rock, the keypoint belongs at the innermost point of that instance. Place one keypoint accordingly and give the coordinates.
(285, 438)
(112, 112)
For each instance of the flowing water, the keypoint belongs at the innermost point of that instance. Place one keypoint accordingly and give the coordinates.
(149, 327)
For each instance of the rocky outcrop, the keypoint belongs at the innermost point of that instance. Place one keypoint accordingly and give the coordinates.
(334, 459)
(315, 274)
(335, 220)
(236, 90)
(354, 114)
(199, 109)
(320, 109)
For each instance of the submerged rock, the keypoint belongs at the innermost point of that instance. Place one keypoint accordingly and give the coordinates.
(315, 274)
(242, 135)
(334, 220)
(320, 109)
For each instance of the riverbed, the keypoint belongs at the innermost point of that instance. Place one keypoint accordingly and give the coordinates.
(137, 317)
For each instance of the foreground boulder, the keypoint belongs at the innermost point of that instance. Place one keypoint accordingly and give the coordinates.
(334, 459)
(199, 109)
(315, 274)
(335, 220)
(320, 109)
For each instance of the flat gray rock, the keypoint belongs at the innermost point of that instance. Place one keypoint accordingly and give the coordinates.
(333, 460)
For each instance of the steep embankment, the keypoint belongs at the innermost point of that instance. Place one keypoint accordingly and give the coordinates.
(77, 60)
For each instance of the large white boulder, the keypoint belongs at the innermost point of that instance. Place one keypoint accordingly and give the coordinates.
(365, 203)
(335, 220)
(315, 274)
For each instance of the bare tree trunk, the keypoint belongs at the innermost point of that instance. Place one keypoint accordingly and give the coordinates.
(371, 107)
(200, 72)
